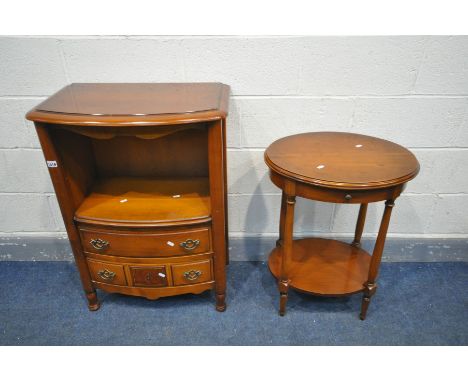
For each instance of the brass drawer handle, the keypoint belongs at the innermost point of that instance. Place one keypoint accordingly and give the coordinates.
(190, 244)
(99, 243)
(107, 275)
(348, 197)
(192, 275)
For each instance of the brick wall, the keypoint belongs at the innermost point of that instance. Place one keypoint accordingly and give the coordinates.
(412, 90)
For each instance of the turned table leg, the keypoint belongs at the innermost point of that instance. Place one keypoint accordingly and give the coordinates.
(370, 286)
(287, 247)
(281, 221)
(360, 225)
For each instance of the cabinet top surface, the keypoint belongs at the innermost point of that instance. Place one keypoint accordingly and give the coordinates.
(342, 160)
(133, 103)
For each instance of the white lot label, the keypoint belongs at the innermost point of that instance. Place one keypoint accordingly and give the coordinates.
(51, 163)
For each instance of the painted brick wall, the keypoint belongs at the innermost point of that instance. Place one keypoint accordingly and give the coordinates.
(412, 90)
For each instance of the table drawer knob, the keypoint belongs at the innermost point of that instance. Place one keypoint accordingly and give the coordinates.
(190, 244)
(99, 243)
(348, 197)
(192, 275)
(107, 275)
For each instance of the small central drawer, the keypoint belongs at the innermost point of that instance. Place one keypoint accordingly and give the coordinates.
(130, 244)
(149, 276)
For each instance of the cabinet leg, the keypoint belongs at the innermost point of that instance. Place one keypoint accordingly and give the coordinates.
(225, 189)
(220, 302)
(93, 302)
(218, 218)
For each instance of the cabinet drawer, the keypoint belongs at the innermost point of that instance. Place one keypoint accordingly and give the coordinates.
(146, 244)
(191, 273)
(107, 272)
(149, 276)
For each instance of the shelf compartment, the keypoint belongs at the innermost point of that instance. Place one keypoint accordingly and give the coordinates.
(146, 202)
(324, 267)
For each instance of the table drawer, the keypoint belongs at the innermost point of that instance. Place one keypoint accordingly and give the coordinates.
(191, 273)
(139, 244)
(107, 273)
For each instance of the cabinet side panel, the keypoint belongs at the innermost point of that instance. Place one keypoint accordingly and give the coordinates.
(77, 160)
(67, 202)
(217, 194)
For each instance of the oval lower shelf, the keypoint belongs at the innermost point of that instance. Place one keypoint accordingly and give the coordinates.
(324, 267)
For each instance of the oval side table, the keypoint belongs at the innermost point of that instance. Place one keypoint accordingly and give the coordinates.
(337, 168)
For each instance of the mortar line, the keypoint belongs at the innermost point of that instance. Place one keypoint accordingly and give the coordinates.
(63, 61)
(423, 59)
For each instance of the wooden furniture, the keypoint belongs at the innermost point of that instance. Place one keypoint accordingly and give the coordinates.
(337, 168)
(139, 171)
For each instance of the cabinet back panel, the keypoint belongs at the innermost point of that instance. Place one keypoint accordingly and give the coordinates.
(184, 153)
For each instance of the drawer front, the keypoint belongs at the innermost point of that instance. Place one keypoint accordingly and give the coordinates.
(191, 273)
(149, 276)
(107, 272)
(146, 244)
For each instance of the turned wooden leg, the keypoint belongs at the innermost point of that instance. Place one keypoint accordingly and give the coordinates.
(218, 218)
(225, 189)
(287, 243)
(220, 302)
(370, 285)
(281, 221)
(360, 225)
(93, 303)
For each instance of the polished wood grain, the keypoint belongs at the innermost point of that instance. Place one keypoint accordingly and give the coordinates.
(152, 293)
(146, 201)
(107, 272)
(287, 245)
(327, 194)
(218, 210)
(132, 104)
(154, 157)
(143, 280)
(360, 225)
(191, 273)
(342, 160)
(370, 285)
(337, 168)
(323, 267)
(146, 243)
(64, 183)
(139, 171)
(148, 276)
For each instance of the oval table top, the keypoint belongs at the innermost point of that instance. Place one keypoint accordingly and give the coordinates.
(341, 160)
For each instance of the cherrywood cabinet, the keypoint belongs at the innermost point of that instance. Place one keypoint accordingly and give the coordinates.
(139, 171)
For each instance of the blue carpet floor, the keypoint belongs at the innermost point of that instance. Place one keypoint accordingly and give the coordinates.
(416, 304)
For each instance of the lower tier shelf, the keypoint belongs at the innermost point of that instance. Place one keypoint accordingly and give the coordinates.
(324, 267)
